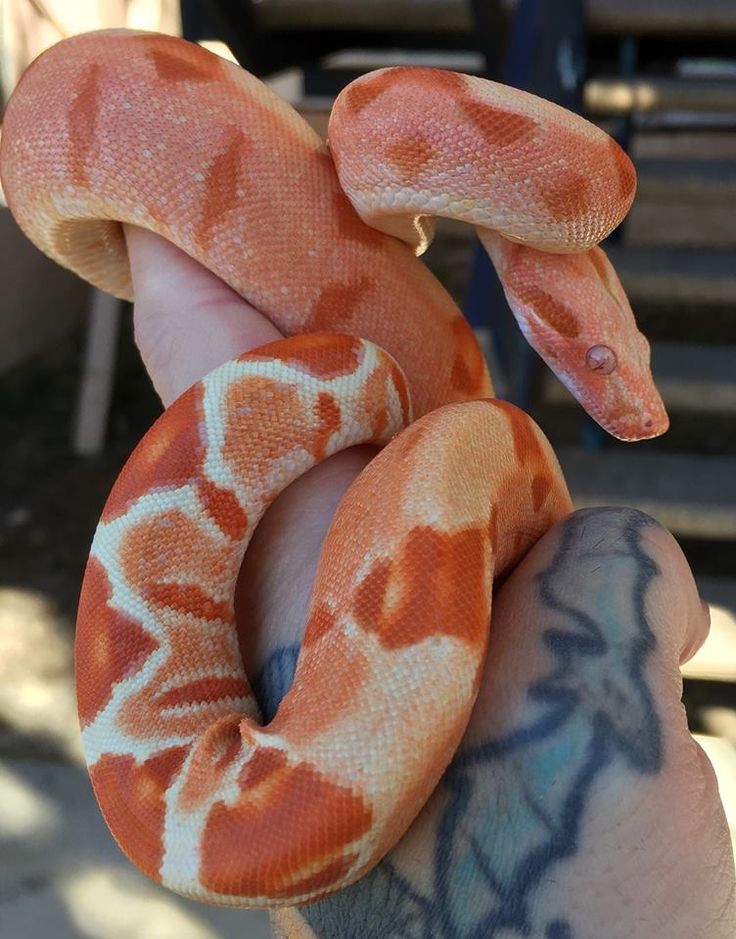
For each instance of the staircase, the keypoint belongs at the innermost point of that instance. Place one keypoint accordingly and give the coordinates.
(662, 78)
(676, 257)
(677, 260)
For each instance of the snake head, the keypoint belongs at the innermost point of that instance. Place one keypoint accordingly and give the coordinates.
(573, 310)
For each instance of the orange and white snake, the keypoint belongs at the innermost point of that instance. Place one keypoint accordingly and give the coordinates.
(148, 130)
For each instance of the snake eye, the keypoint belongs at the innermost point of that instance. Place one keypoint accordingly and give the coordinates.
(601, 359)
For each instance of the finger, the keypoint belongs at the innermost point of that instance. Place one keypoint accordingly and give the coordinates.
(187, 321)
(279, 568)
(579, 804)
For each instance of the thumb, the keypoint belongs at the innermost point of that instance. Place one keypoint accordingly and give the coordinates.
(187, 321)
(579, 805)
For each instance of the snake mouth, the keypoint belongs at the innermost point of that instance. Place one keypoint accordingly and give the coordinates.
(636, 424)
(638, 436)
(615, 406)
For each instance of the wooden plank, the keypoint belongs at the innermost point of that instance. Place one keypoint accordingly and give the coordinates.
(701, 223)
(716, 658)
(365, 60)
(98, 374)
(370, 15)
(684, 144)
(692, 276)
(686, 180)
(690, 378)
(693, 496)
(635, 17)
(619, 96)
(696, 378)
(688, 202)
(662, 17)
(719, 591)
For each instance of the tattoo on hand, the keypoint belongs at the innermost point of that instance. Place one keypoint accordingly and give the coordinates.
(510, 811)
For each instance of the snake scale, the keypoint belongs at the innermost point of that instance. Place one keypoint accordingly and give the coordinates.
(323, 239)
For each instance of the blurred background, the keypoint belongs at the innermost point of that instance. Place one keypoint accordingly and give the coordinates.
(660, 75)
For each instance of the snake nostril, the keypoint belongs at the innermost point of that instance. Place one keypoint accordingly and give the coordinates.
(601, 359)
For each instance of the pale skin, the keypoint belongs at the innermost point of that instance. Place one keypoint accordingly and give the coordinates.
(579, 806)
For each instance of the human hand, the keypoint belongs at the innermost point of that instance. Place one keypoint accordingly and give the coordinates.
(578, 805)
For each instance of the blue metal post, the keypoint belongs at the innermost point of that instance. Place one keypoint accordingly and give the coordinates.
(545, 56)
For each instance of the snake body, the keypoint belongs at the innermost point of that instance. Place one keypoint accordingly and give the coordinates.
(148, 130)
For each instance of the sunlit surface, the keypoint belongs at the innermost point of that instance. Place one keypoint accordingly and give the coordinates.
(36, 675)
(716, 659)
(106, 901)
(722, 755)
(219, 48)
(620, 97)
(25, 814)
(61, 873)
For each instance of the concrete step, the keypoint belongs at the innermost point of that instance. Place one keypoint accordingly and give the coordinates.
(699, 277)
(692, 496)
(690, 378)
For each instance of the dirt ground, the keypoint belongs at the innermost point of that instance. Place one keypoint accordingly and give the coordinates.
(61, 873)
(51, 499)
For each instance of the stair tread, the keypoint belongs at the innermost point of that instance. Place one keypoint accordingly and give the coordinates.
(690, 378)
(700, 276)
(675, 17)
(369, 15)
(719, 591)
(660, 484)
(716, 658)
(682, 180)
(651, 17)
(617, 95)
(696, 378)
